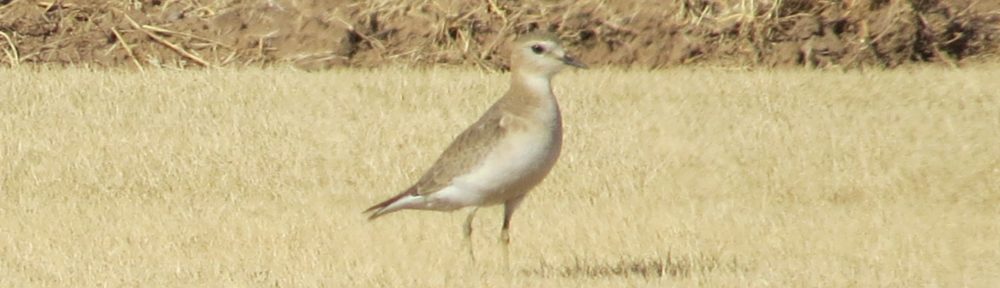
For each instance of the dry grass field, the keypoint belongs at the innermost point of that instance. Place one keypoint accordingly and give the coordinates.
(685, 177)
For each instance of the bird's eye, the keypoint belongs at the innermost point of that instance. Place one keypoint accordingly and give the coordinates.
(537, 48)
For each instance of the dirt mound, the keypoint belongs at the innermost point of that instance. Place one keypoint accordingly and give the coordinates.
(318, 34)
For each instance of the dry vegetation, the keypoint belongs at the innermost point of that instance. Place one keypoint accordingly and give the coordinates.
(320, 34)
(700, 177)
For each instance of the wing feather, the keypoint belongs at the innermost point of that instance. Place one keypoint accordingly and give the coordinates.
(465, 153)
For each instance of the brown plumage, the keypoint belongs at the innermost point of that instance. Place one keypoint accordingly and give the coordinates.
(504, 154)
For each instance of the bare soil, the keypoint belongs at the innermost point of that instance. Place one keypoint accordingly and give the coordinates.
(320, 34)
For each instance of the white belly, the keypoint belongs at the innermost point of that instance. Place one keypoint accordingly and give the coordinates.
(513, 168)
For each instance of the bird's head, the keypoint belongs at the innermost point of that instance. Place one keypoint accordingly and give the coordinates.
(540, 54)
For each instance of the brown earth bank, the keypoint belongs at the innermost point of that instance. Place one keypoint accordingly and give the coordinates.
(320, 34)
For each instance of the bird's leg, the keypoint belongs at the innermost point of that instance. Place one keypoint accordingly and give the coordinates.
(505, 240)
(468, 233)
(508, 210)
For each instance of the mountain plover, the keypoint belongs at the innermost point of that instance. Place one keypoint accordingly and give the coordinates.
(509, 150)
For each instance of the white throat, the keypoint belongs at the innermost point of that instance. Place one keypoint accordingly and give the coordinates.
(539, 85)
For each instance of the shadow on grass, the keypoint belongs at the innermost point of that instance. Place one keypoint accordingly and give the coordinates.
(646, 267)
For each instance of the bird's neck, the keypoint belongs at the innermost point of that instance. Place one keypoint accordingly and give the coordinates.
(531, 94)
(532, 84)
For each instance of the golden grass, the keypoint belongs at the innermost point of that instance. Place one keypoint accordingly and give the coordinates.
(690, 177)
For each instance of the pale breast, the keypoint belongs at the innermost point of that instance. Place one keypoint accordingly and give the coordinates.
(516, 165)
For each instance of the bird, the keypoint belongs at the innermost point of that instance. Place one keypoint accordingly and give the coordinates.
(510, 149)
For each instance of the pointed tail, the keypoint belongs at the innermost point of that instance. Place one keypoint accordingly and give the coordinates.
(393, 204)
